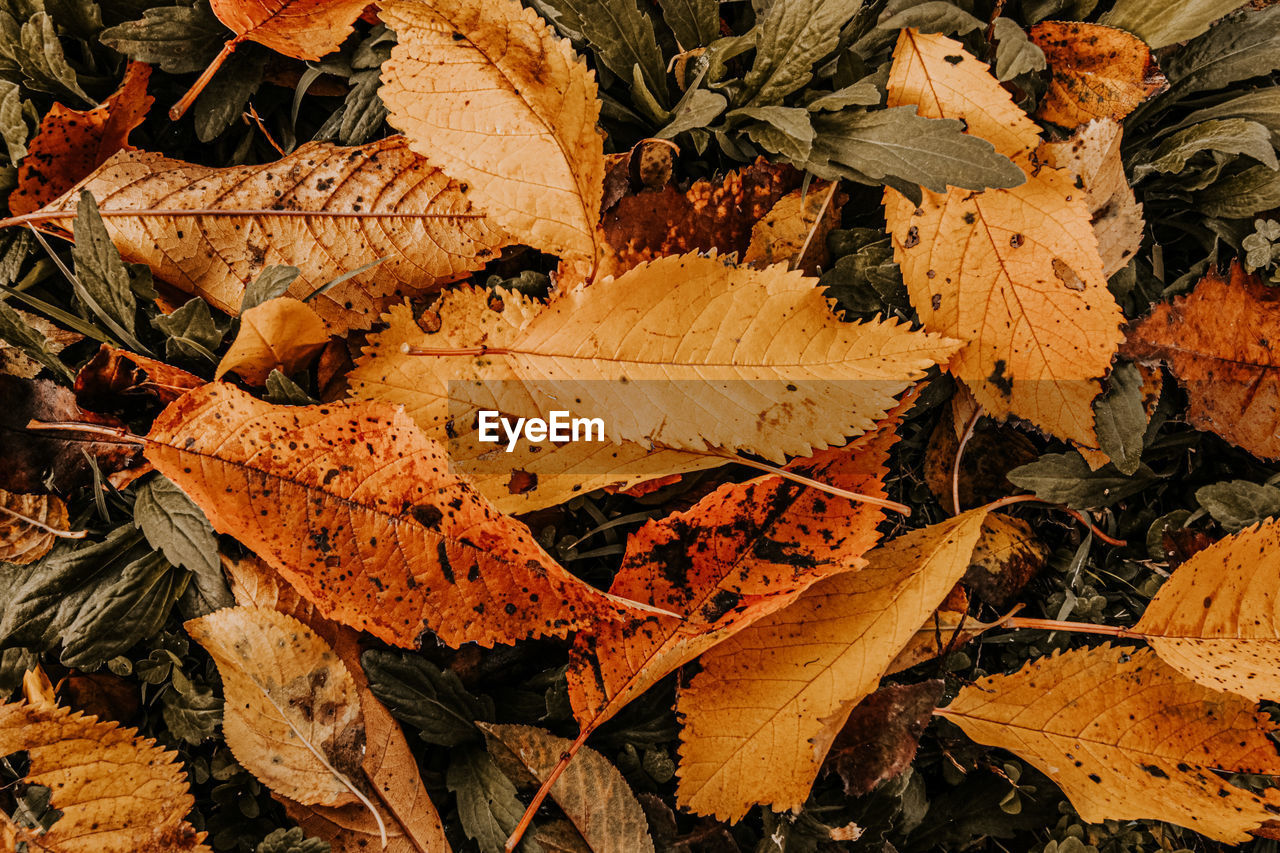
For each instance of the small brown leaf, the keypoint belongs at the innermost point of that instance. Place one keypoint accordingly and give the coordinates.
(879, 739)
(1007, 556)
(116, 380)
(794, 231)
(1098, 72)
(21, 541)
(280, 334)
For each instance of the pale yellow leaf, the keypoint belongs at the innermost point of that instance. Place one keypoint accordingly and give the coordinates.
(279, 334)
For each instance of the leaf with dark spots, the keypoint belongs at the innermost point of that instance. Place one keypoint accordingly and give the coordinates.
(879, 740)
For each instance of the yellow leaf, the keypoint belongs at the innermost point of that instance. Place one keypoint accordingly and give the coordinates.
(488, 91)
(325, 209)
(766, 704)
(1217, 619)
(1013, 272)
(292, 714)
(118, 793)
(279, 334)
(794, 231)
(1127, 737)
(28, 524)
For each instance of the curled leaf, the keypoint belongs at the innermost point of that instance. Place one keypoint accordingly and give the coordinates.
(279, 334)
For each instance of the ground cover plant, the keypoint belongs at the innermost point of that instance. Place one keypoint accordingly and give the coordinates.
(935, 501)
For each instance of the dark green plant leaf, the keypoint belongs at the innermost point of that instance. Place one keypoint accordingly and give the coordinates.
(193, 715)
(1260, 105)
(790, 39)
(782, 130)
(1161, 23)
(422, 695)
(1226, 136)
(487, 804)
(179, 39)
(102, 274)
(80, 18)
(191, 332)
(935, 16)
(696, 23)
(1241, 47)
(865, 280)
(1065, 478)
(1121, 420)
(621, 36)
(14, 663)
(272, 282)
(1015, 53)
(1237, 504)
(291, 841)
(697, 109)
(223, 101)
(39, 53)
(174, 525)
(12, 126)
(864, 93)
(1241, 195)
(16, 332)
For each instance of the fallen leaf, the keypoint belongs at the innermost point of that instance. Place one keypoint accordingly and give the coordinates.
(1095, 72)
(116, 380)
(210, 232)
(942, 633)
(591, 792)
(360, 512)
(1013, 272)
(744, 551)
(794, 231)
(1217, 341)
(879, 740)
(1128, 737)
(279, 334)
(514, 117)
(1092, 154)
(21, 540)
(992, 452)
(70, 144)
(118, 793)
(31, 344)
(717, 215)
(1007, 556)
(767, 703)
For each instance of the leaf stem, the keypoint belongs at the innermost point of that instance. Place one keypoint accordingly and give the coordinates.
(894, 506)
(556, 772)
(180, 108)
(42, 216)
(1074, 627)
(1079, 516)
(116, 434)
(955, 465)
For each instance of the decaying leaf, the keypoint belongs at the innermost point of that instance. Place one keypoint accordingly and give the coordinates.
(1007, 556)
(116, 380)
(1013, 272)
(211, 231)
(513, 116)
(767, 703)
(21, 541)
(739, 554)
(1092, 154)
(1096, 72)
(360, 512)
(72, 143)
(280, 334)
(1217, 340)
(794, 231)
(591, 792)
(1128, 737)
(31, 343)
(118, 793)
(879, 740)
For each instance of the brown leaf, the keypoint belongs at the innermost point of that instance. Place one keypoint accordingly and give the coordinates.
(1219, 342)
(361, 512)
(116, 380)
(15, 362)
(70, 144)
(992, 452)
(1097, 72)
(879, 740)
(1007, 556)
(43, 463)
(794, 231)
(102, 695)
(21, 541)
(279, 334)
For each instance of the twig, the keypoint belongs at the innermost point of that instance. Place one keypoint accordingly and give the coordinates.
(806, 481)
(955, 465)
(180, 108)
(1079, 516)
(813, 229)
(62, 534)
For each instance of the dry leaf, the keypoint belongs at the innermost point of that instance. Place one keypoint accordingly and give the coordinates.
(993, 451)
(591, 792)
(709, 215)
(21, 541)
(1096, 72)
(211, 231)
(70, 144)
(942, 633)
(15, 362)
(1128, 737)
(488, 91)
(279, 334)
(880, 738)
(531, 476)
(1006, 557)
(1014, 272)
(744, 551)
(794, 231)
(1216, 619)
(767, 703)
(292, 714)
(1092, 154)
(117, 380)
(118, 793)
(1218, 342)
(303, 29)
(360, 512)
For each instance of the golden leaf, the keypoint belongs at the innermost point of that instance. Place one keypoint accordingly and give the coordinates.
(292, 714)
(28, 524)
(360, 512)
(118, 793)
(1096, 72)
(794, 231)
(303, 29)
(942, 633)
(766, 704)
(279, 334)
(486, 89)
(1128, 737)
(1013, 272)
(211, 231)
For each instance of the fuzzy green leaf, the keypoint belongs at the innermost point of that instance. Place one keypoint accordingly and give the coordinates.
(422, 695)
(12, 126)
(790, 38)
(487, 802)
(174, 525)
(697, 109)
(179, 39)
(271, 283)
(1161, 23)
(43, 63)
(191, 332)
(1015, 53)
(101, 272)
(1065, 478)
(1121, 419)
(1241, 195)
(1238, 48)
(1226, 136)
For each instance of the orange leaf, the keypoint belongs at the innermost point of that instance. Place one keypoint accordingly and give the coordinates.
(72, 143)
(739, 554)
(1219, 341)
(280, 334)
(1097, 72)
(360, 512)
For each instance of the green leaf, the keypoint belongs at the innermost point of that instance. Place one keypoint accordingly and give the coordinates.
(271, 283)
(1227, 136)
(16, 244)
(1161, 23)
(18, 333)
(174, 525)
(39, 53)
(1065, 478)
(790, 39)
(936, 16)
(1237, 504)
(12, 126)
(1015, 53)
(782, 130)
(487, 804)
(282, 390)
(420, 694)
(865, 93)
(696, 23)
(291, 841)
(1260, 105)
(124, 611)
(622, 38)
(897, 143)
(194, 715)
(697, 109)
(223, 101)
(179, 39)
(191, 332)
(80, 18)
(102, 274)
(1238, 48)
(1241, 195)
(1121, 420)
(865, 281)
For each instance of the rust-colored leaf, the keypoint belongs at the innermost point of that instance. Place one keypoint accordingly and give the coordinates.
(116, 380)
(879, 740)
(1097, 72)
